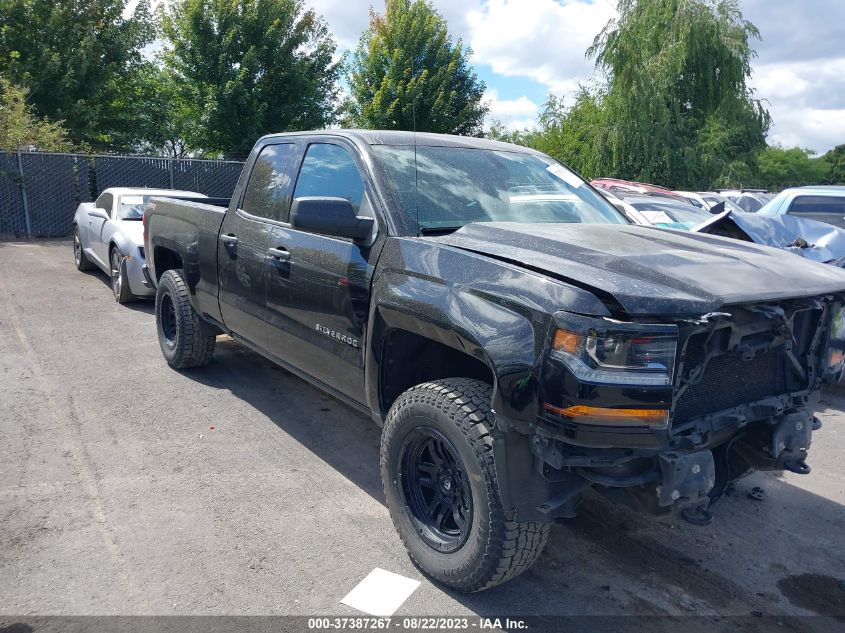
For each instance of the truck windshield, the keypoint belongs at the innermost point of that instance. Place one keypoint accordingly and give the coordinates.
(454, 186)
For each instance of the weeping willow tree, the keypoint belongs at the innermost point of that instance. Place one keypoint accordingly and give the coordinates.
(677, 106)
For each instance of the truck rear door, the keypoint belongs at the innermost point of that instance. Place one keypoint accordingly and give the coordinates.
(318, 291)
(244, 240)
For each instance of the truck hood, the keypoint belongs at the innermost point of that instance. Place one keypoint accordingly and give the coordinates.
(650, 271)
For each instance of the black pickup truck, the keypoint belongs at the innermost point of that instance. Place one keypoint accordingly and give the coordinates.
(518, 340)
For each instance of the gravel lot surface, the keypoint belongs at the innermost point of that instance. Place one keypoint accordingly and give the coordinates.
(129, 488)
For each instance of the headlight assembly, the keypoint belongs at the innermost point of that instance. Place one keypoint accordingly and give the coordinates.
(614, 352)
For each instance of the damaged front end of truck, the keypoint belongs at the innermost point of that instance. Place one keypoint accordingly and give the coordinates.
(662, 417)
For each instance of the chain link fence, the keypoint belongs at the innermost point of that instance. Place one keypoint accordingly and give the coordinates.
(39, 192)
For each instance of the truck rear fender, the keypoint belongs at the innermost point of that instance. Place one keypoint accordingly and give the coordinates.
(165, 258)
(192, 249)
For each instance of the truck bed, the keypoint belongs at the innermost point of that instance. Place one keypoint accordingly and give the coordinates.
(189, 227)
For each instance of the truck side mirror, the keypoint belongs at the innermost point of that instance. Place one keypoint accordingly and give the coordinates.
(329, 216)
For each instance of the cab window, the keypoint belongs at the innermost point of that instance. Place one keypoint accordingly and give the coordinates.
(267, 190)
(330, 171)
(104, 202)
(803, 205)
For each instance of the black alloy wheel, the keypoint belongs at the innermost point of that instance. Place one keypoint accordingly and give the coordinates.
(436, 489)
(167, 313)
(185, 339)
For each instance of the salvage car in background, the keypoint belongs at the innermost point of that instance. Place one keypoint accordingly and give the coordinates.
(108, 233)
(707, 200)
(823, 204)
(750, 200)
(667, 213)
(812, 240)
(625, 188)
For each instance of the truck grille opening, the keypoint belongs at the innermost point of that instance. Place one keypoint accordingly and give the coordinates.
(729, 381)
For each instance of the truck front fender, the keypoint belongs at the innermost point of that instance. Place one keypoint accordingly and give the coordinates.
(493, 311)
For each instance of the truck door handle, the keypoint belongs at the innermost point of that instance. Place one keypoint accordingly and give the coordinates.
(279, 255)
(231, 244)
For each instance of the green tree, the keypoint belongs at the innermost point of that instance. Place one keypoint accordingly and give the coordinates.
(248, 68)
(572, 135)
(408, 74)
(76, 58)
(21, 127)
(678, 108)
(162, 122)
(835, 160)
(780, 167)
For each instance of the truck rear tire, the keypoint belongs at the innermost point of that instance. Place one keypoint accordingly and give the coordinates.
(186, 341)
(440, 483)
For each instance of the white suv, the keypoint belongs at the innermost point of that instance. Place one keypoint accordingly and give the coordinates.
(822, 203)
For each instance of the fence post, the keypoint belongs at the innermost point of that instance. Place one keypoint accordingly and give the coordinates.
(23, 196)
(170, 169)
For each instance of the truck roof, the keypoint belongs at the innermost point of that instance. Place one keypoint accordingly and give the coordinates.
(399, 137)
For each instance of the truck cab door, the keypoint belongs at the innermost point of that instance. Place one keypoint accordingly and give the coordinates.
(244, 239)
(318, 290)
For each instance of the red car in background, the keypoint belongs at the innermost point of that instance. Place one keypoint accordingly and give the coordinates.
(627, 188)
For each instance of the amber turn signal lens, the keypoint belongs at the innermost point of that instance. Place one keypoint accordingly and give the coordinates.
(619, 417)
(564, 341)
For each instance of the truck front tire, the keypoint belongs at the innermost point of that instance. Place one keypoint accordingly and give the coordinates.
(440, 483)
(186, 341)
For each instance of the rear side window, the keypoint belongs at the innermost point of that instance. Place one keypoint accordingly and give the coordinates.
(267, 189)
(330, 171)
(104, 202)
(803, 205)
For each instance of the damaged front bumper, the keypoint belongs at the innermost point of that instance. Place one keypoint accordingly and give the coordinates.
(742, 399)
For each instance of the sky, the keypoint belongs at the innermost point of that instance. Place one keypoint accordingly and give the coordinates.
(525, 49)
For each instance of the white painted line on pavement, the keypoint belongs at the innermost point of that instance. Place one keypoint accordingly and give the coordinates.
(381, 593)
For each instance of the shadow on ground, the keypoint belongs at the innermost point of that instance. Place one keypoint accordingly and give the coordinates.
(345, 439)
(653, 567)
(141, 304)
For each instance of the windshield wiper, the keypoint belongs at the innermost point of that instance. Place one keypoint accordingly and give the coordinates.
(439, 230)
